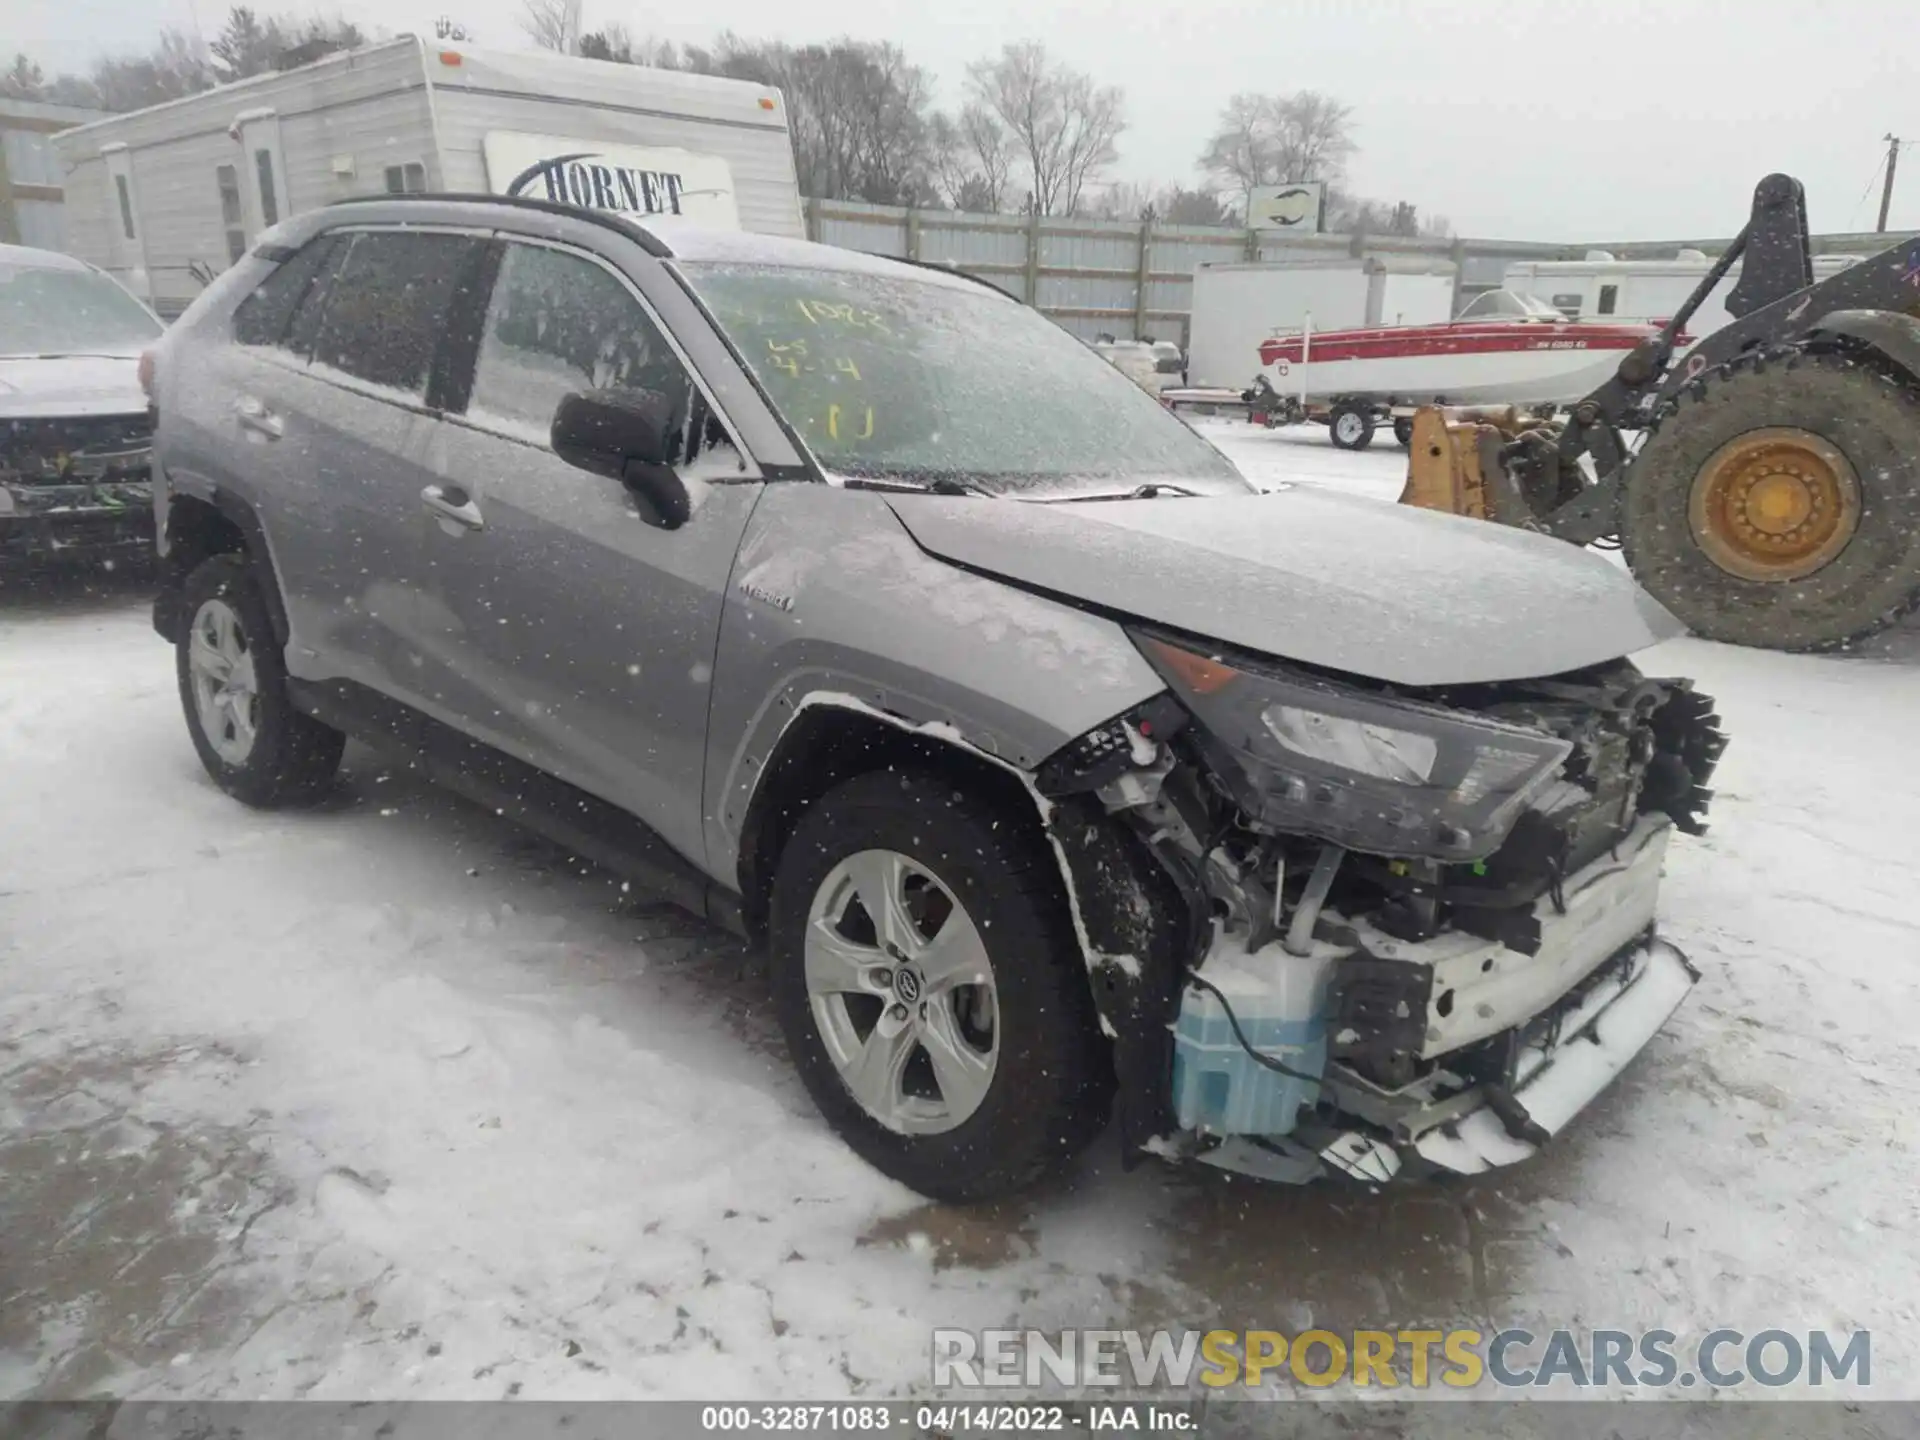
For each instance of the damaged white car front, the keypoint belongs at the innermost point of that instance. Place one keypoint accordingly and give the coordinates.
(1422, 920)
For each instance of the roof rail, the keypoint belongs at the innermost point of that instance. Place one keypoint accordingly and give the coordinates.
(626, 226)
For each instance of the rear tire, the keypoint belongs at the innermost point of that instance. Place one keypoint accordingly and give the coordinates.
(1050, 1080)
(1851, 424)
(233, 688)
(1403, 431)
(1351, 427)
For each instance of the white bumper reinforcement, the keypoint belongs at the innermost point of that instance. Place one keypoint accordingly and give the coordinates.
(1611, 1024)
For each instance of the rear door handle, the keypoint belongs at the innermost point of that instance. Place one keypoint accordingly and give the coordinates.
(252, 413)
(452, 506)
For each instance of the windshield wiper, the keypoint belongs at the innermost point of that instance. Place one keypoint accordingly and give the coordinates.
(1152, 490)
(941, 485)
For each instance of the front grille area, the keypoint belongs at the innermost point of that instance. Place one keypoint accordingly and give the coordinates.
(75, 449)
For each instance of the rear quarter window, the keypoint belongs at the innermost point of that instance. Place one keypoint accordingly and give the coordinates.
(266, 316)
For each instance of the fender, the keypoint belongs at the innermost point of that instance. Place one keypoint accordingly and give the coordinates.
(1887, 332)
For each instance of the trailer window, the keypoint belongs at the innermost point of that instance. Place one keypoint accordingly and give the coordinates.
(126, 205)
(269, 202)
(385, 310)
(559, 323)
(228, 180)
(407, 179)
(1609, 298)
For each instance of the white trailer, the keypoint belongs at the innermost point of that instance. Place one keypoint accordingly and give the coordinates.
(165, 198)
(1639, 290)
(1236, 306)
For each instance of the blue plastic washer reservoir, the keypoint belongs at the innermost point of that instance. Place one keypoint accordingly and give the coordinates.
(1280, 1001)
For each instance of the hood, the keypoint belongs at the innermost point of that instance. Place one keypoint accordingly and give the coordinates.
(70, 385)
(1390, 593)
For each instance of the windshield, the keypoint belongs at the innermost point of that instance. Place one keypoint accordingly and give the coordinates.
(47, 311)
(907, 379)
(1503, 304)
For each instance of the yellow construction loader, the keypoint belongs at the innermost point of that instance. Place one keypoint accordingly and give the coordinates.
(1764, 484)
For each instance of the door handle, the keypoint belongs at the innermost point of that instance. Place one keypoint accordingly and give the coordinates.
(451, 504)
(253, 415)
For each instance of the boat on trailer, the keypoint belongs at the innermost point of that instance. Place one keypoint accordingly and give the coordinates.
(1503, 349)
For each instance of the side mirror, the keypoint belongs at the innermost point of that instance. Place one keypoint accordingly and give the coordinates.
(632, 436)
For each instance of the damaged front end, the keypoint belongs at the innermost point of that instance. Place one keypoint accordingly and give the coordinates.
(75, 486)
(1395, 911)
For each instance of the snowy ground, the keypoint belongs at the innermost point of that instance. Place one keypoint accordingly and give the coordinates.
(389, 1100)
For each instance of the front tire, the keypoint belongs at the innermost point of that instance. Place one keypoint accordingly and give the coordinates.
(233, 687)
(931, 990)
(1779, 505)
(1351, 427)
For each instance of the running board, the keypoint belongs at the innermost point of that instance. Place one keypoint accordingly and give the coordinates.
(590, 827)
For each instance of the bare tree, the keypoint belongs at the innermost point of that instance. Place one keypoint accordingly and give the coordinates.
(553, 24)
(1240, 154)
(858, 111)
(972, 158)
(1124, 200)
(1273, 139)
(1064, 125)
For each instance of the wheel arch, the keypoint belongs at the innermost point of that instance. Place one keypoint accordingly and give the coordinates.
(197, 528)
(1131, 921)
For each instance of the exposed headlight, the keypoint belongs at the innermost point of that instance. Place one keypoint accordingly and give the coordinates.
(1391, 777)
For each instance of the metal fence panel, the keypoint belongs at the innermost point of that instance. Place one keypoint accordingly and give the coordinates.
(1087, 274)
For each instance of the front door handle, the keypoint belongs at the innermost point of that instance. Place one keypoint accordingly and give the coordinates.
(452, 506)
(252, 413)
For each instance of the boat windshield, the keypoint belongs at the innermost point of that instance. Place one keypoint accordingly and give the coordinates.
(1509, 305)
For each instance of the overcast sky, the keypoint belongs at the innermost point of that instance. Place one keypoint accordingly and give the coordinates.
(1623, 119)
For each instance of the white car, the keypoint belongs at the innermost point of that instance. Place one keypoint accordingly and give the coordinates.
(75, 433)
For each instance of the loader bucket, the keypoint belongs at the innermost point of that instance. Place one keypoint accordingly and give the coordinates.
(1453, 463)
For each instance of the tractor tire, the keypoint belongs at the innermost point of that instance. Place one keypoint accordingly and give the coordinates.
(1351, 427)
(1778, 506)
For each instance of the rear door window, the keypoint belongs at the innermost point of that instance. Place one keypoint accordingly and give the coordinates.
(389, 304)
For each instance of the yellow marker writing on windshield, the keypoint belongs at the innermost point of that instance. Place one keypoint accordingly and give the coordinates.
(833, 424)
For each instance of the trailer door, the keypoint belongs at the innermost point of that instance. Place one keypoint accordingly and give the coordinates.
(263, 171)
(126, 243)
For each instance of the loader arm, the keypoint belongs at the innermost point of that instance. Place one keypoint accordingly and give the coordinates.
(1774, 302)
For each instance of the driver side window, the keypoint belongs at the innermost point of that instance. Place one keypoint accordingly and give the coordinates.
(558, 323)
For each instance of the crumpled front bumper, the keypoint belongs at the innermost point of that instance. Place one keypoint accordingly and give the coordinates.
(1559, 1075)
(71, 521)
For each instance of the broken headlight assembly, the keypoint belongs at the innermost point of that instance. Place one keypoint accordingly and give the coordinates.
(1369, 772)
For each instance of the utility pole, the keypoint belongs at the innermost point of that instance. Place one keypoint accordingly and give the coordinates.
(1886, 190)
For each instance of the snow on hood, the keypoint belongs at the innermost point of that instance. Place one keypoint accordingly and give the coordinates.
(70, 385)
(1390, 593)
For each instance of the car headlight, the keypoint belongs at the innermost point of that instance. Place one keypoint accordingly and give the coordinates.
(1386, 776)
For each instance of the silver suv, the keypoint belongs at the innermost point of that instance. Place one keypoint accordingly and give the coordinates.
(860, 609)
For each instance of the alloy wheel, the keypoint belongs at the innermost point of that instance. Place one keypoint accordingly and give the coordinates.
(226, 692)
(902, 993)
